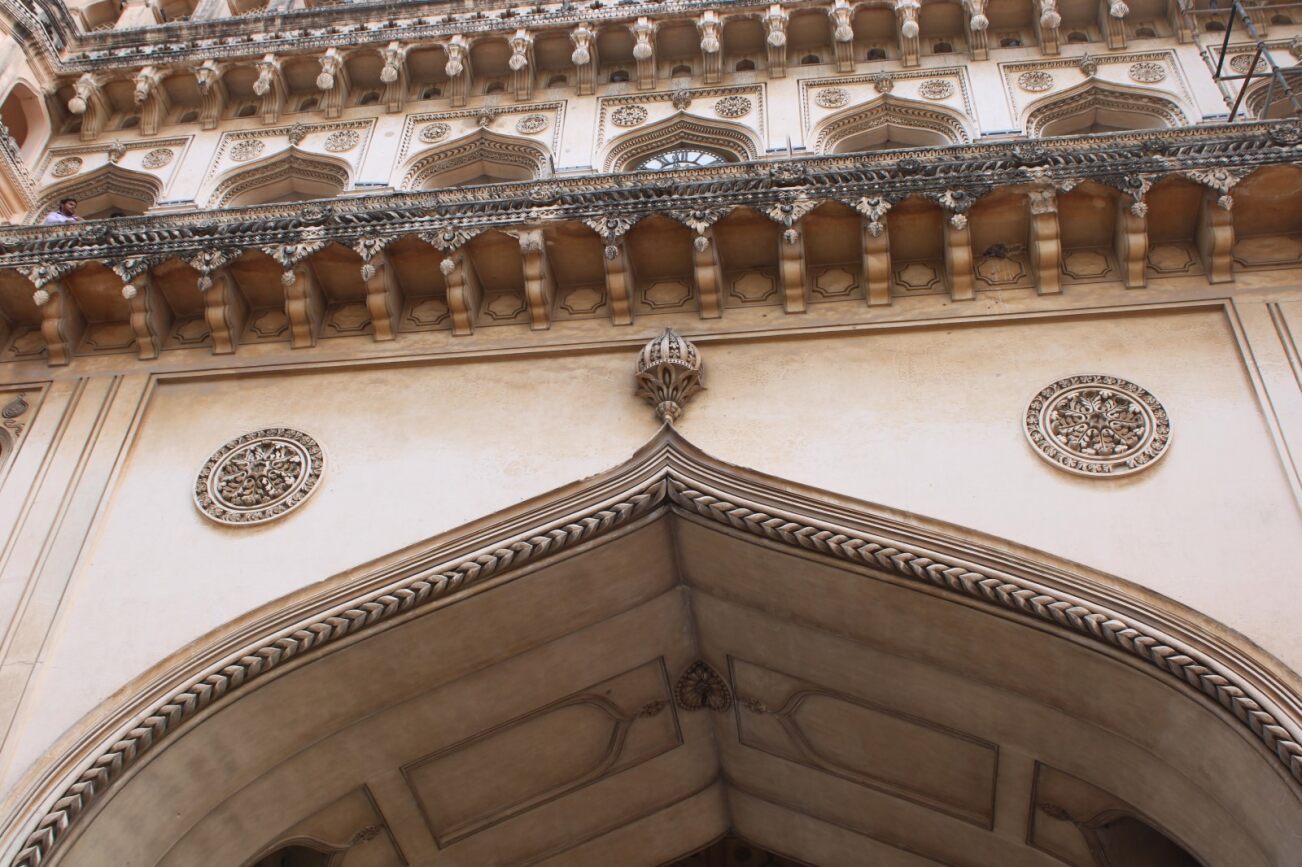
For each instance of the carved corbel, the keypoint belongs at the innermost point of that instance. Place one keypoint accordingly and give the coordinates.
(1047, 22)
(619, 281)
(791, 267)
(1216, 236)
(62, 324)
(775, 28)
(383, 294)
(584, 58)
(457, 69)
(269, 87)
(150, 316)
(709, 274)
(209, 78)
(842, 16)
(539, 283)
(151, 99)
(977, 25)
(644, 52)
(521, 65)
(394, 76)
(711, 30)
(463, 291)
(89, 101)
(304, 305)
(876, 248)
(333, 83)
(1046, 241)
(224, 307)
(906, 12)
(1112, 21)
(1132, 243)
(958, 258)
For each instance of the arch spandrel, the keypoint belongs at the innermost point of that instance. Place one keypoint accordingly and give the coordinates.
(591, 610)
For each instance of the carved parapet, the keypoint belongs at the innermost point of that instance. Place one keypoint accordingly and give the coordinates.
(668, 374)
(775, 30)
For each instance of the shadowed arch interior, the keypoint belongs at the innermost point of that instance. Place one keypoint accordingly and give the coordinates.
(628, 669)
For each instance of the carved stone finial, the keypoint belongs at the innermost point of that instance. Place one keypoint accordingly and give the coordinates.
(668, 374)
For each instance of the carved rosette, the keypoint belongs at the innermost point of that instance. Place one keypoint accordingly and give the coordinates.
(259, 476)
(701, 688)
(1096, 425)
(668, 374)
(435, 132)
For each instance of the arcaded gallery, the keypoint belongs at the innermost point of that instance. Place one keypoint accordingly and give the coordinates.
(651, 433)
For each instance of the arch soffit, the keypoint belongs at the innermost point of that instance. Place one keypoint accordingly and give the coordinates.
(886, 110)
(482, 144)
(1095, 94)
(289, 163)
(110, 179)
(679, 130)
(666, 475)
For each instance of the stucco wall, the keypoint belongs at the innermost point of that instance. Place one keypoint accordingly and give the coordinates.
(926, 420)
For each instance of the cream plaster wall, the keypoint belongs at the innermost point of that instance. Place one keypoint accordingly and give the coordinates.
(927, 421)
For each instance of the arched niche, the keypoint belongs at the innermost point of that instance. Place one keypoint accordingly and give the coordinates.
(107, 191)
(482, 156)
(889, 122)
(636, 665)
(288, 176)
(731, 142)
(1094, 106)
(1280, 105)
(25, 117)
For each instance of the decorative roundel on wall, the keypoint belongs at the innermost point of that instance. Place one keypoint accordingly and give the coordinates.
(628, 115)
(936, 88)
(1097, 425)
(259, 476)
(1035, 81)
(1147, 72)
(66, 167)
(157, 158)
(246, 150)
(435, 132)
(343, 140)
(832, 97)
(531, 124)
(732, 107)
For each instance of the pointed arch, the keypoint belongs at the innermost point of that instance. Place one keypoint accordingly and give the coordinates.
(27, 119)
(889, 121)
(731, 141)
(101, 191)
(287, 176)
(482, 154)
(1098, 106)
(1280, 107)
(1047, 640)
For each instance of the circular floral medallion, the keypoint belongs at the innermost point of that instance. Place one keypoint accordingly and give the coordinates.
(259, 476)
(732, 106)
(435, 132)
(1240, 63)
(530, 124)
(628, 115)
(936, 88)
(832, 97)
(157, 158)
(1097, 425)
(344, 140)
(1035, 81)
(246, 150)
(1147, 72)
(66, 166)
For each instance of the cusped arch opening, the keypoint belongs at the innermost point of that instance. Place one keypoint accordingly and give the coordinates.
(289, 176)
(481, 157)
(635, 666)
(109, 191)
(713, 141)
(1097, 107)
(889, 122)
(25, 117)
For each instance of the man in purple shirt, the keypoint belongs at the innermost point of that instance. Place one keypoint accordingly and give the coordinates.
(67, 212)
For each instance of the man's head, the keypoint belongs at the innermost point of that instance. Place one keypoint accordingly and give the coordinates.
(68, 207)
